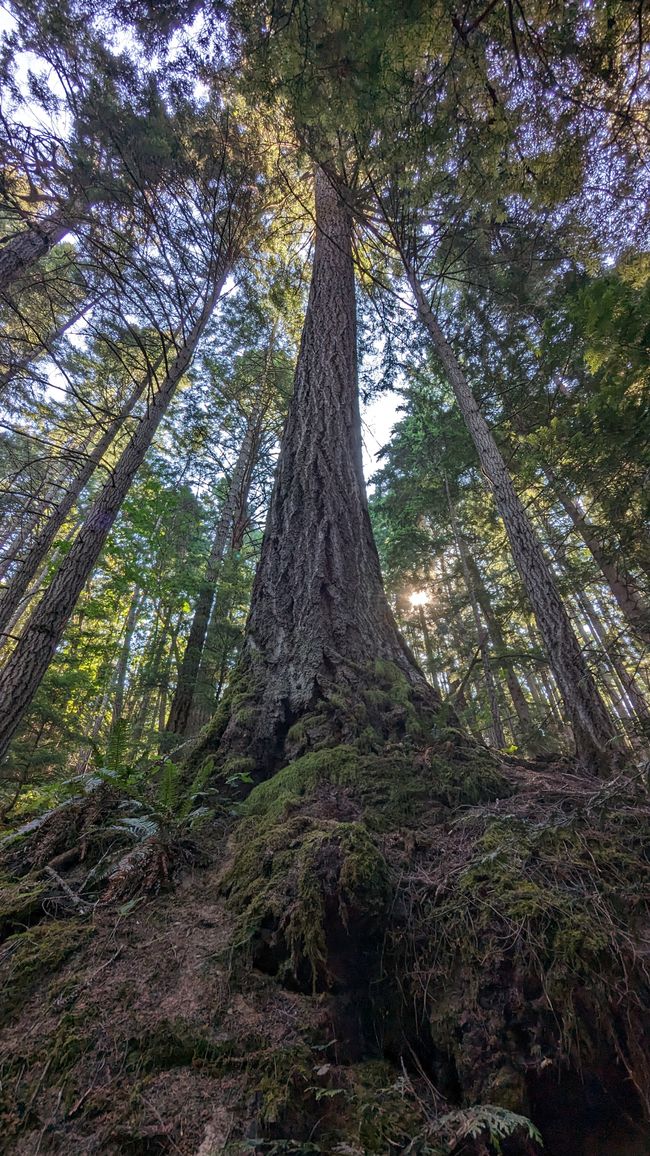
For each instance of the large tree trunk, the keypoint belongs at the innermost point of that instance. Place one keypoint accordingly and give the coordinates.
(181, 708)
(319, 615)
(592, 726)
(24, 670)
(24, 249)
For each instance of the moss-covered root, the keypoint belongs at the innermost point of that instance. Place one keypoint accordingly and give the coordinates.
(307, 892)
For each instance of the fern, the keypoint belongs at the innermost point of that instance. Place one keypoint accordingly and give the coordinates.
(494, 1123)
(144, 827)
(196, 788)
(116, 748)
(168, 789)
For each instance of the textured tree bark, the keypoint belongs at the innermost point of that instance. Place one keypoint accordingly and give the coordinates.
(22, 250)
(38, 551)
(319, 615)
(593, 730)
(24, 670)
(181, 707)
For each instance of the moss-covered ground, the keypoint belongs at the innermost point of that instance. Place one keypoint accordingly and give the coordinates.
(401, 947)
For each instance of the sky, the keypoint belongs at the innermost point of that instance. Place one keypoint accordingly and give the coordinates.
(377, 421)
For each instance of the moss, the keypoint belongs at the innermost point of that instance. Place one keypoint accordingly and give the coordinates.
(515, 912)
(296, 880)
(31, 955)
(541, 882)
(465, 776)
(382, 1114)
(392, 789)
(69, 1043)
(275, 797)
(282, 1077)
(236, 766)
(176, 1044)
(20, 901)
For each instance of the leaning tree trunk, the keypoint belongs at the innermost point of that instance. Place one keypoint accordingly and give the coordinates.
(623, 589)
(44, 345)
(593, 730)
(38, 551)
(181, 707)
(22, 674)
(24, 249)
(319, 616)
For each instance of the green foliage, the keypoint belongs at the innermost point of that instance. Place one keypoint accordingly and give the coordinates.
(487, 1122)
(114, 761)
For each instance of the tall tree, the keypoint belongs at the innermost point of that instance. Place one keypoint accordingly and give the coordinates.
(319, 616)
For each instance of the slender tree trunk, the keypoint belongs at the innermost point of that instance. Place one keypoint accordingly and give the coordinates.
(23, 249)
(125, 654)
(39, 582)
(20, 581)
(98, 720)
(43, 346)
(628, 685)
(593, 730)
(498, 737)
(519, 701)
(623, 589)
(213, 669)
(319, 616)
(591, 641)
(181, 708)
(24, 670)
(432, 665)
(150, 672)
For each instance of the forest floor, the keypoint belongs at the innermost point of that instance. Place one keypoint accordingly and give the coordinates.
(332, 982)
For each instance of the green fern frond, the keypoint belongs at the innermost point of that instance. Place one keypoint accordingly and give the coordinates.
(144, 827)
(196, 787)
(485, 1120)
(116, 749)
(168, 789)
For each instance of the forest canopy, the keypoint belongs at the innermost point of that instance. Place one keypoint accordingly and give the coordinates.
(325, 575)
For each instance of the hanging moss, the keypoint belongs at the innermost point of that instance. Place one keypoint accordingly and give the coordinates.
(295, 882)
(523, 938)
